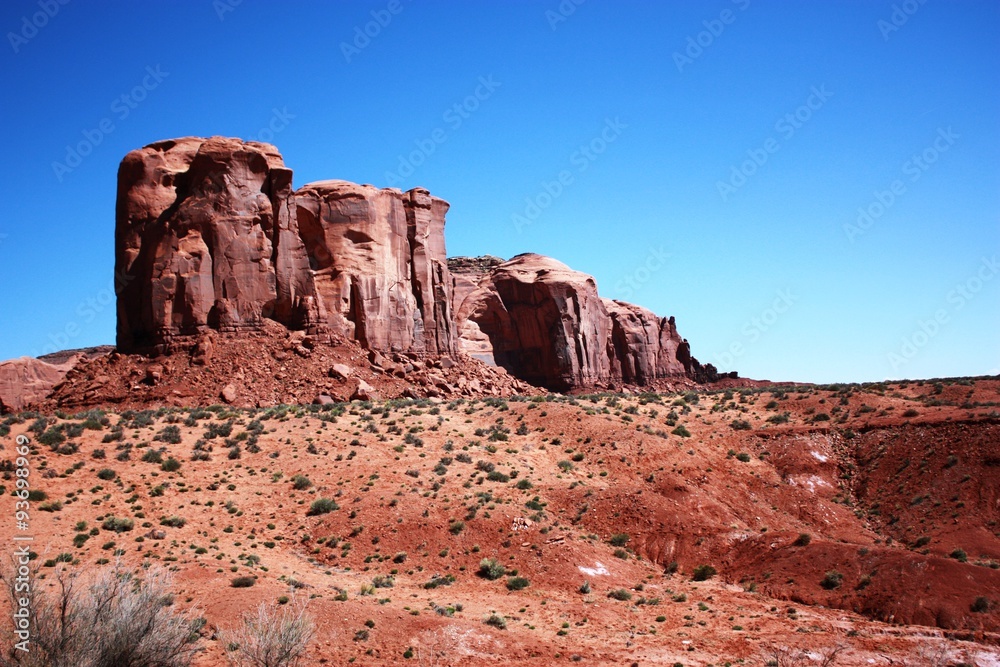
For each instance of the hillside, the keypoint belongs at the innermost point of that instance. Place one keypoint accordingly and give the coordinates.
(860, 517)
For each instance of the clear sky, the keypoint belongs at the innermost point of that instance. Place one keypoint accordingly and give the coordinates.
(811, 188)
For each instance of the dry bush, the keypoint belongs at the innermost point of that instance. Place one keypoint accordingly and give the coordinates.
(121, 620)
(271, 636)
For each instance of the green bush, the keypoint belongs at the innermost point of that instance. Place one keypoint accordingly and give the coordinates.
(832, 580)
(173, 521)
(118, 524)
(107, 474)
(703, 573)
(301, 482)
(243, 582)
(620, 594)
(517, 583)
(322, 506)
(496, 620)
(170, 465)
(619, 539)
(803, 540)
(682, 432)
(491, 569)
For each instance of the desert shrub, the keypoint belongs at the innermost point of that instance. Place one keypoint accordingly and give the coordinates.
(301, 482)
(517, 583)
(496, 620)
(107, 474)
(121, 619)
(619, 539)
(170, 435)
(959, 555)
(832, 580)
(117, 524)
(803, 540)
(456, 527)
(703, 573)
(152, 456)
(173, 521)
(980, 605)
(740, 425)
(743, 456)
(619, 594)
(322, 506)
(491, 569)
(585, 588)
(271, 636)
(170, 465)
(682, 432)
(242, 582)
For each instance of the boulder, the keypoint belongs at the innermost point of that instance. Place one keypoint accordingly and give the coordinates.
(364, 392)
(228, 393)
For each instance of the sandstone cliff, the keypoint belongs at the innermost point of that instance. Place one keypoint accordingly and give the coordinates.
(380, 264)
(211, 237)
(206, 238)
(546, 324)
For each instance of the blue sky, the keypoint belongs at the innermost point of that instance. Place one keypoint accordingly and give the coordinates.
(811, 189)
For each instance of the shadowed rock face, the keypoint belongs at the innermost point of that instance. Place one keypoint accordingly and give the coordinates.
(546, 324)
(206, 238)
(380, 264)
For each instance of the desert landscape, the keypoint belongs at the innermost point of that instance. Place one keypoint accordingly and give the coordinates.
(455, 461)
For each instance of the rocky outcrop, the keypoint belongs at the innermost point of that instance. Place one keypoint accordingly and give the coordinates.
(546, 324)
(211, 238)
(206, 238)
(380, 264)
(26, 381)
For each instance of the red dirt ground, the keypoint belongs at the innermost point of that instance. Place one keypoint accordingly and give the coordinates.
(887, 488)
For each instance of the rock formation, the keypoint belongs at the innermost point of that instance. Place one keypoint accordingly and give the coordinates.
(206, 238)
(211, 237)
(380, 264)
(546, 324)
(27, 380)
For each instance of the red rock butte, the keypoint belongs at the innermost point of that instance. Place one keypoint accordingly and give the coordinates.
(211, 237)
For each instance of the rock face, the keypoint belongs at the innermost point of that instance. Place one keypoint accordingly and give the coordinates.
(210, 237)
(546, 325)
(206, 238)
(380, 264)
